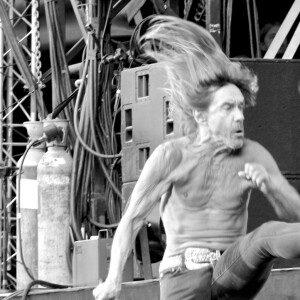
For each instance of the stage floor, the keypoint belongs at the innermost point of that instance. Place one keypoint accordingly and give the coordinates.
(282, 284)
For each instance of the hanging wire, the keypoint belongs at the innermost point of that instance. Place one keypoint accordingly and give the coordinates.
(42, 283)
(135, 51)
(105, 27)
(94, 124)
(250, 28)
(86, 146)
(61, 84)
(228, 26)
(256, 26)
(252, 18)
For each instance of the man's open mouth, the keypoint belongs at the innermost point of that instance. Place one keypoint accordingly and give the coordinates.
(239, 132)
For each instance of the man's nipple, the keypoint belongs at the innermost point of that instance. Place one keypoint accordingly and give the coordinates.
(185, 194)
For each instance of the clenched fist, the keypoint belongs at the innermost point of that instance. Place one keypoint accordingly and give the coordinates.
(257, 174)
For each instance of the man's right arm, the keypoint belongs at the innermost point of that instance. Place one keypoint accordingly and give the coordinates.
(153, 182)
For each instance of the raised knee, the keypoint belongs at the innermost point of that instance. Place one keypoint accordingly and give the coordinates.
(269, 228)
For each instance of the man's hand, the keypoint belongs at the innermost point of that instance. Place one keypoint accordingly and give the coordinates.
(107, 290)
(258, 175)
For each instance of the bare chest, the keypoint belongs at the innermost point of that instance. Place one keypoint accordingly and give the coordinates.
(212, 183)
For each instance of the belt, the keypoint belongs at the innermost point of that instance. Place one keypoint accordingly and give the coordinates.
(192, 259)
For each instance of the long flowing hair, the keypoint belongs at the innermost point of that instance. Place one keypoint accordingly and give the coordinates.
(196, 66)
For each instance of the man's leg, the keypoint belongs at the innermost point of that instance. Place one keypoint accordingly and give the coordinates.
(245, 266)
(186, 285)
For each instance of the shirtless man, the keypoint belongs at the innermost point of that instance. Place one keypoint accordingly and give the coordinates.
(204, 179)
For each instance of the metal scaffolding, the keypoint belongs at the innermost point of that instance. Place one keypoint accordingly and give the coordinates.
(19, 80)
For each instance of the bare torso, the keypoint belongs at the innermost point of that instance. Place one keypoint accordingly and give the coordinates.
(206, 205)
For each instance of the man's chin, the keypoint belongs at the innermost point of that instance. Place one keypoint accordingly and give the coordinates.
(233, 143)
(236, 144)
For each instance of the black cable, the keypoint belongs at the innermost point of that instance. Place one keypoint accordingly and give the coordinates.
(101, 225)
(82, 142)
(63, 104)
(43, 283)
(105, 26)
(135, 50)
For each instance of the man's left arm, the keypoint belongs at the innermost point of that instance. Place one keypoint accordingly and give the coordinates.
(266, 177)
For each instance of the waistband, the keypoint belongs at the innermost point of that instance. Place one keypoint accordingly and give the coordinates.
(192, 258)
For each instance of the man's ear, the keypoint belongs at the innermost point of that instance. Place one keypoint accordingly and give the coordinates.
(200, 117)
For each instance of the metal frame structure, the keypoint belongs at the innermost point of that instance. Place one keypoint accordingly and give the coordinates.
(17, 105)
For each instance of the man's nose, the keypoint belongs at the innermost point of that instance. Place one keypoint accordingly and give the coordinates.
(238, 114)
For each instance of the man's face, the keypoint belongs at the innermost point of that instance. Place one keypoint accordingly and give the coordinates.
(225, 116)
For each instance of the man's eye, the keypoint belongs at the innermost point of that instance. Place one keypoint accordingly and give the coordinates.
(226, 106)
